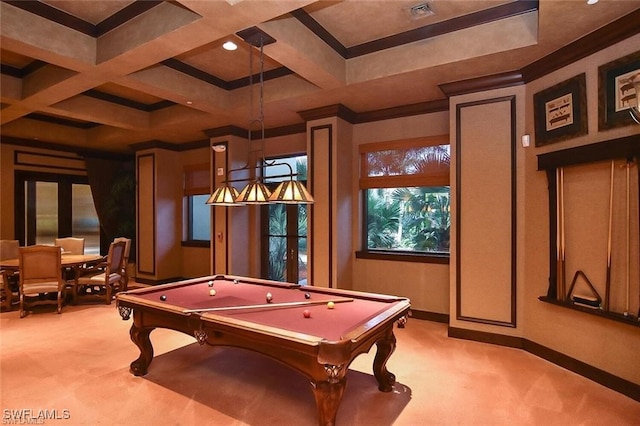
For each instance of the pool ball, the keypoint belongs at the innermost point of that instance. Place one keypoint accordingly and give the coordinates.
(210, 283)
(330, 305)
(163, 297)
(306, 313)
(212, 292)
(269, 298)
(236, 281)
(307, 295)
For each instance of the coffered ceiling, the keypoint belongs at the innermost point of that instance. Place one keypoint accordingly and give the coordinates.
(111, 75)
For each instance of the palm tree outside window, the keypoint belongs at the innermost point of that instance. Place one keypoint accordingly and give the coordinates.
(406, 197)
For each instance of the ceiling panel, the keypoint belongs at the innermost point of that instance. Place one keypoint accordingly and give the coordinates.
(90, 11)
(127, 93)
(354, 22)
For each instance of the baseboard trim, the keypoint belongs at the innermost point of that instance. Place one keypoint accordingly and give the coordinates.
(485, 337)
(602, 377)
(429, 316)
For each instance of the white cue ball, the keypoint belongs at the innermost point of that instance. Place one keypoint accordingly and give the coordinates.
(212, 292)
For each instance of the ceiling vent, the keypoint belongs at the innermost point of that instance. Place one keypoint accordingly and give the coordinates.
(420, 11)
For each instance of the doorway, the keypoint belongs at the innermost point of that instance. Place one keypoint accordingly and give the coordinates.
(284, 229)
(51, 205)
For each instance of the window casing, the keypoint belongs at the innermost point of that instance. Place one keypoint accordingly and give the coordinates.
(197, 214)
(406, 199)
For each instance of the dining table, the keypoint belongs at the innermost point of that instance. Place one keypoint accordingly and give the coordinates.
(68, 261)
(72, 262)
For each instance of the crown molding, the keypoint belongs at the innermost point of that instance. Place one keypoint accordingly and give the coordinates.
(612, 33)
(336, 110)
(480, 84)
(94, 153)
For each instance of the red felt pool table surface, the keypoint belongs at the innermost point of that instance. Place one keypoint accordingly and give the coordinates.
(347, 315)
(321, 346)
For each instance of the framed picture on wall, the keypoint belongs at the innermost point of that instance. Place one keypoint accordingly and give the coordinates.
(560, 112)
(616, 92)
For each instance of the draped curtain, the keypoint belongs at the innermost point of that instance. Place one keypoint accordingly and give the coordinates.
(113, 188)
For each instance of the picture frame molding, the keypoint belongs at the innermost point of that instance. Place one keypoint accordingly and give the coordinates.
(570, 93)
(608, 117)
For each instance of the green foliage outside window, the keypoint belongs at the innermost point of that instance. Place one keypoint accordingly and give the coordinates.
(414, 219)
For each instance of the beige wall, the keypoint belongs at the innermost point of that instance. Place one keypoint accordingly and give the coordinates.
(602, 343)
(33, 159)
(426, 284)
(482, 284)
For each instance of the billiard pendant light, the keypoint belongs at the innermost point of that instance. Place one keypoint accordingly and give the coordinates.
(224, 196)
(291, 192)
(256, 192)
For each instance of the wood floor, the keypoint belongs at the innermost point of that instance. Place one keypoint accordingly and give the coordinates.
(76, 365)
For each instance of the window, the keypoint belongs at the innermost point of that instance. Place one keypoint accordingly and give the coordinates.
(199, 218)
(197, 213)
(406, 198)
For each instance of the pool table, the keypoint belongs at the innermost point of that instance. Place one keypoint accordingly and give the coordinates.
(316, 331)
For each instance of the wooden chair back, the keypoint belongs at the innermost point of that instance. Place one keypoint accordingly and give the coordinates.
(71, 245)
(125, 262)
(106, 275)
(8, 279)
(40, 272)
(115, 258)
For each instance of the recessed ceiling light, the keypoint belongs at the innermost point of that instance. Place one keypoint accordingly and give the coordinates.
(592, 1)
(229, 45)
(189, 103)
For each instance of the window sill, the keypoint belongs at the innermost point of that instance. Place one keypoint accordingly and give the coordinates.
(442, 259)
(196, 243)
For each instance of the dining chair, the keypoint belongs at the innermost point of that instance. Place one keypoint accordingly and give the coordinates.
(105, 277)
(71, 245)
(40, 276)
(125, 261)
(8, 279)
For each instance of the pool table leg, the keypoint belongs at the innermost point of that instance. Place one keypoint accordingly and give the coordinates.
(328, 395)
(386, 345)
(140, 336)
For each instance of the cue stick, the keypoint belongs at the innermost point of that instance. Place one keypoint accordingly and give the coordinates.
(608, 280)
(626, 311)
(269, 305)
(560, 274)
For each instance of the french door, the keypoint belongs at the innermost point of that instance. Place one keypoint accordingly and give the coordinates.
(284, 245)
(51, 205)
(284, 227)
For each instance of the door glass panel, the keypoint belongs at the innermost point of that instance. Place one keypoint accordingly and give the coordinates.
(277, 242)
(46, 212)
(85, 222)
(302, 244)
